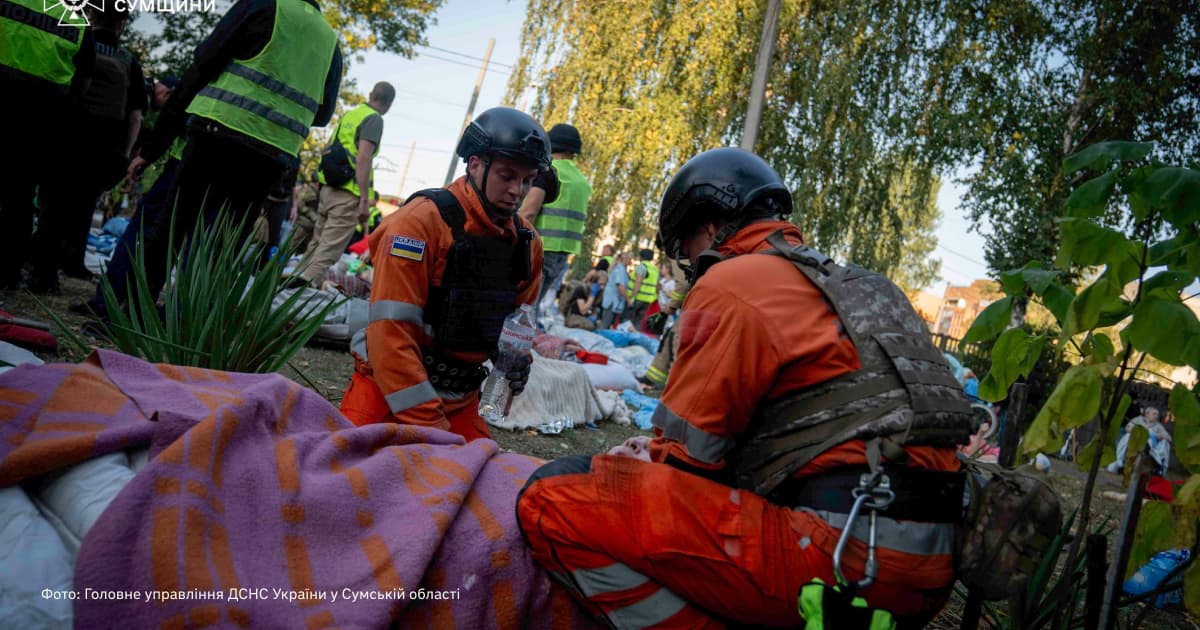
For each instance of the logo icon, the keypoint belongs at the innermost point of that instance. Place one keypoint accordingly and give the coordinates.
(71, 12)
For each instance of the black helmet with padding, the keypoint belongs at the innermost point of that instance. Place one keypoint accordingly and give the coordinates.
(508, 132)
(727, 184)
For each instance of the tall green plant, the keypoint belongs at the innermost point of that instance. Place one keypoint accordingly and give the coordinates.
(1138, 292)
(218, 313)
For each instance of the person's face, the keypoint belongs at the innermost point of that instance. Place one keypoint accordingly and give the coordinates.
(380, 107)
(1152, 414)
(161, 93)
(634, 447)
(699, 240)
(507, 180)
(607, 250)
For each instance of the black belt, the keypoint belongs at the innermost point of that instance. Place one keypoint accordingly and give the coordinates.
(927, 496)
(451, 375)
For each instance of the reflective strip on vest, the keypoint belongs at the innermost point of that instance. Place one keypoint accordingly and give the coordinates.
(397, 311)
(33, 44)
(911, 537)
(245, 102)
(561, 225)
(410, 397)
(700, 444)
(656, 375)
(279, 87)
(273, 97)
(648, 292)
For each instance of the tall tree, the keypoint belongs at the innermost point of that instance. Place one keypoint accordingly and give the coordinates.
(651, 82)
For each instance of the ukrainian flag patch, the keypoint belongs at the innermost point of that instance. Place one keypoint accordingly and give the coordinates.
(409, 248)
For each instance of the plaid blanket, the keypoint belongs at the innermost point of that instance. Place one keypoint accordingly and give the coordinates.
(262, 506)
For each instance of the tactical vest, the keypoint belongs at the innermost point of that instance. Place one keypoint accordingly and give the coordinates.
(903, 392)
(561, 223)
(648, 292)
(108, 93)
(32, 44)
(479, 286)
(274, 96)
(346, 132)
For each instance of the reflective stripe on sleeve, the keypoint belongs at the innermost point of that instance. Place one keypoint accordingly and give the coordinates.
(395, 310)
(410, 397)
(614, 577)
(654, 609)
(358, 343)
(700, 444)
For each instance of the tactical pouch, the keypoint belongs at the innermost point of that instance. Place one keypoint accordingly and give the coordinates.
(1012, 519)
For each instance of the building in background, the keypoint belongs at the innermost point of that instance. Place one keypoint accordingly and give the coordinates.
(961, 305)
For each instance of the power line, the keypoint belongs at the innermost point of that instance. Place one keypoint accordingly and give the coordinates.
(431, 99)
(961, 255)
(429, 149)
(465, 55)
(463, 63)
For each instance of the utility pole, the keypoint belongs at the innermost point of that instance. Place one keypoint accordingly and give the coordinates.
(758, 88)
(404, 174)
(471, 108)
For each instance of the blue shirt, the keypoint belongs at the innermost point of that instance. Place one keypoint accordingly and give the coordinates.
(618, 282)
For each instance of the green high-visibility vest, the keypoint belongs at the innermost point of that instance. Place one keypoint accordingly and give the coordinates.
(648, 292)
(32, 44)
(346, 130)
(560, 224)
(274, 96)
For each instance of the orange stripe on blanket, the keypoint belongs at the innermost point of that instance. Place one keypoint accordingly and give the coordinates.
(200, 445)
(442, 611)
(229, 424)
(365, 519)
(170, 371)
(237, 616)
(358, 482)
(487, 521)
(164, 548)
(222, 557)
(286, 466)
(500, 559)
(377, 553)
(166, 486)
(86, 390)
(323, 619)
(408, 472)
(37, 457)
(195, 551)
(432, 477)
(563, 610)
(454, 468)
(298, 567)
(285, 413)
(504, 605)
(204, 616)
(18, 397)
(293, 513)
(51, 426)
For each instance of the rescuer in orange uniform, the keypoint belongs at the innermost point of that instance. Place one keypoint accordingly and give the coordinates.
(798, 382)
(450, 265)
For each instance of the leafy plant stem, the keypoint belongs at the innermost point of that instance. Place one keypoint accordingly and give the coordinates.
(1066, 600)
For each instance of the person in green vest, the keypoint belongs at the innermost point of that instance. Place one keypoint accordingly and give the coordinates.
(559, 220)
(643, 290)
(45, 65)
(268, 72)
(343, 207)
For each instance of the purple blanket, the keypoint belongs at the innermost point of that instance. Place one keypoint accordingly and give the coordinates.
(262, 506)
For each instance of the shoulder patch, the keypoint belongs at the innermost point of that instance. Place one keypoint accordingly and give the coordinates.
(408, 248)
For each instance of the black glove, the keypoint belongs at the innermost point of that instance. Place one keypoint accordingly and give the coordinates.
(656, 323)
(519, 376)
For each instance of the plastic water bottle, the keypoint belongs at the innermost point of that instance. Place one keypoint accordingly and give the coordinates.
(516, 341)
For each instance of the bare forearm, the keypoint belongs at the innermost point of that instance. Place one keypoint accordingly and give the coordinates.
(135, 126)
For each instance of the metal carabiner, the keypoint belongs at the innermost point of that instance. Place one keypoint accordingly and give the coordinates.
(874, 491)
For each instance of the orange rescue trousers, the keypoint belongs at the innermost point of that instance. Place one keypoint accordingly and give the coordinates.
(363, 403)
(647, 545)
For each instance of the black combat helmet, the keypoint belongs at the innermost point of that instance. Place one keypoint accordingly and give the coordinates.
(721, 184)
(565, 138)
(508, 132)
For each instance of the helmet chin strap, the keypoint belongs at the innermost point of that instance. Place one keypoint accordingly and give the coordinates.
(489, 207)
(711, 256)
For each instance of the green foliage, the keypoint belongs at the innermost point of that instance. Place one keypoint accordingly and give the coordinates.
(991, 322)
(1016, 352)
(1186, 409)
(218, 314)
(1126, 300)
(649, 84)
